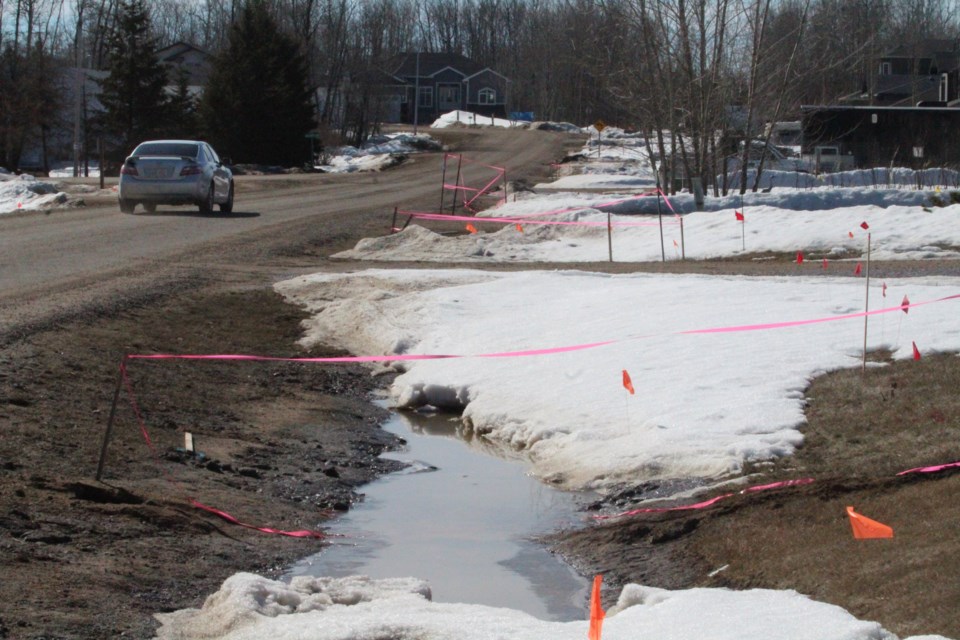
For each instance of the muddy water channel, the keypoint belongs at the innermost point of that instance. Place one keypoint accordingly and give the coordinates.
(461, 516)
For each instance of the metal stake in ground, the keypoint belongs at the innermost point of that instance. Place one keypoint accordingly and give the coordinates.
(443, 183)
(113, 413)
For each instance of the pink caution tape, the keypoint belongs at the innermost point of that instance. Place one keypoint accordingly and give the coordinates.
(303, 533)
(763, 487)
(798, 323)
(515, 354)
(933, 469)
(523, 220)
(799, 482)
(530, 218)
(223, 514)
(532, 352)
(712, 501)
(467, 204)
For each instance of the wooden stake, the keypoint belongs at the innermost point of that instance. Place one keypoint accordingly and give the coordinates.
(443, 183)
(453, 205)
(743, 226)
(866, 307)
(683, 244)
(609, 237)
(663, 252)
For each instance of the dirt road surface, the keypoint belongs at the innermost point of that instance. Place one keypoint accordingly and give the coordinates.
(287, 446)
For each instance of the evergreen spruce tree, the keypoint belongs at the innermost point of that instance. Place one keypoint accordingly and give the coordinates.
(182, 110)
(256, 107)
(133, 94)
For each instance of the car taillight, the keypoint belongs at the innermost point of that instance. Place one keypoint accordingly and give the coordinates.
(191, 170)
(129, 170)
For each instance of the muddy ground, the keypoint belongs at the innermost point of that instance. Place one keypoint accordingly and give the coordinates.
(279, 445)
(288, 445)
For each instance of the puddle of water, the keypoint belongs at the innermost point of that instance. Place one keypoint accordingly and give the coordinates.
(460, 518)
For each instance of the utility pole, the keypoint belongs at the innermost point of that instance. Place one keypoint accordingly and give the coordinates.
(77, 90)
(416, 96)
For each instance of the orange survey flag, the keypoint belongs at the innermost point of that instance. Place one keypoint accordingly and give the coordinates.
(799, 257)
(865, 528)
(905, 305)
(471, 228)
(627, 382)
(858, 269)
(916, 352)
(740, 216)
(519, 227)
(596, 612)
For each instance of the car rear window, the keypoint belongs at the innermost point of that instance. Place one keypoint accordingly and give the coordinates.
(167, 149)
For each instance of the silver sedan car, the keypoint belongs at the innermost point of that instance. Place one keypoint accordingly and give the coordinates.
(175, 172)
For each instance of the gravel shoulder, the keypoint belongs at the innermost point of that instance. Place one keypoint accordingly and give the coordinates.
(289, 445)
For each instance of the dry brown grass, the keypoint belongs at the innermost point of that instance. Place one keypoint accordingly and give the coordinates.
(863, 429)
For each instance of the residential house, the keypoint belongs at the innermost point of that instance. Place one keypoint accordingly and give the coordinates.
(908, 114)
(431, 84)
(188, 61)
(80, 103)
(841, 137)
(53, 147)
(924, 73)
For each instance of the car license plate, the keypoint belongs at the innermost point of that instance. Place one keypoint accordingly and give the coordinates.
(159, 173)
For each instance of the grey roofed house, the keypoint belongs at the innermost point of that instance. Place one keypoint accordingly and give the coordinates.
(79, 99)
(908, 113)
(913, 74)
(437, 83)
(192, 61)
(80, 95)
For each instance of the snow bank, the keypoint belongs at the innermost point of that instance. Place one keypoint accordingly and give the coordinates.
(877, 177)
(26, 193)
(455, 118)
(705, 403)
(378, 152)
(249, 607)
(897, 232)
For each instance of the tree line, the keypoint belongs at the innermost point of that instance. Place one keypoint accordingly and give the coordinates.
(673, 68)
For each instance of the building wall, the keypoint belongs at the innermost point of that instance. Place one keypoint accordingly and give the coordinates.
(880, 137)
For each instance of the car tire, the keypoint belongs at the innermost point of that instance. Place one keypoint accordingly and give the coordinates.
(206, 207)
(127, 206)
(227, 207)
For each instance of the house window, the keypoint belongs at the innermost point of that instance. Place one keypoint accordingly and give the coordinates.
(886, 69)
(487, 96)
(426, 97)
